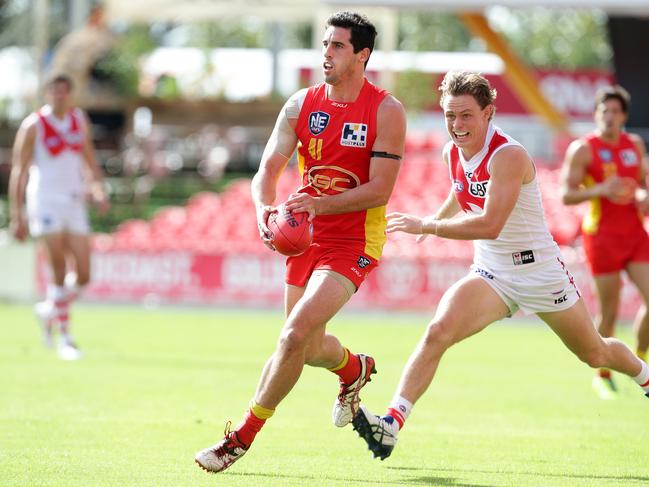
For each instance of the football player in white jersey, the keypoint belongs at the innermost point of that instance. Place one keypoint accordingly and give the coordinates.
(53, 159)
(517, 264)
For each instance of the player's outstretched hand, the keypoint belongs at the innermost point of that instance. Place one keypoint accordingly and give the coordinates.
(263, 212)
(298, 202)
(403, 222)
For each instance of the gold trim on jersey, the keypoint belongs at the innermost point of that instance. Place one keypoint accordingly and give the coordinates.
(590, 222)
(375, 237)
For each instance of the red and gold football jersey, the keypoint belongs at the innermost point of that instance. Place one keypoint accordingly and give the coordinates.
(623, 160)
(334, 152)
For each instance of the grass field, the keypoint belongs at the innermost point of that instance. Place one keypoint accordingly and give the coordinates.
(510, 407)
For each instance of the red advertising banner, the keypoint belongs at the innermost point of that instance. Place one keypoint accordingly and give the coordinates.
(257, 280)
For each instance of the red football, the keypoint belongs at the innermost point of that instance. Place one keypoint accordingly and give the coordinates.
(292, 232)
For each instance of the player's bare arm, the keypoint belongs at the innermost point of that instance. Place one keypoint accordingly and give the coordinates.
(404, 222)
(510, 169)
(23, 152)
(278, 151)
(95, 176)
(573, 173)
(384, 169)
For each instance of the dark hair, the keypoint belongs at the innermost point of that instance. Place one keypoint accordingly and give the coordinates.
(60, 78)
(613, 93)
(363, 32)
(468, 83)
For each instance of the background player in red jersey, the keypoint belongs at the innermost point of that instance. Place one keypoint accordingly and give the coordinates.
(350, 137)
(516, 263)
(52, 156)
(607, 168)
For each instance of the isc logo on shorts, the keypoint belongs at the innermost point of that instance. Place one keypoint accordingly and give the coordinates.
(524, 257)
(354, 135)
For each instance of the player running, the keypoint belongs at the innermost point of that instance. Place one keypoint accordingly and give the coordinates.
(606, 169)
(350, 138)
(517, 264)
(53, 155)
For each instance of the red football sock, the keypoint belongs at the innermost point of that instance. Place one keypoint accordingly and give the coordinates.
(605, 373)
(249, 427)
(397, 416)
(349, 368)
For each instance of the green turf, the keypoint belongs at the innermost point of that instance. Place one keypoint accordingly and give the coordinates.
(510, 407)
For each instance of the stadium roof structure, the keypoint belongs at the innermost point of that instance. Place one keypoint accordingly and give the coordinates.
(615, 7)
(470, 11)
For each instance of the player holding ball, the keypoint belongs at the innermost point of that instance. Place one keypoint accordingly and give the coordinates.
(350, 138)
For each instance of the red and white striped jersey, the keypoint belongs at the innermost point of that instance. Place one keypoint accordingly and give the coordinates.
(525, 238)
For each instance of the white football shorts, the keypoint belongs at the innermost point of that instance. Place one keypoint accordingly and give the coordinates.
(548, 287)
(54, 216)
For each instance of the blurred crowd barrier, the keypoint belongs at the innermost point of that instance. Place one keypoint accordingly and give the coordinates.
(208, 252)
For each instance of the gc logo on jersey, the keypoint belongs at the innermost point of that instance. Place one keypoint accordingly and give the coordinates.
(354, 135)
(458, 186)
(318, 121)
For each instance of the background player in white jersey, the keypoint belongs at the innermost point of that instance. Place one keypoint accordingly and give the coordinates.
(53, 157)
(517, 264)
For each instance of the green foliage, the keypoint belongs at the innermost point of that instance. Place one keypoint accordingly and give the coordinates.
(433, 31)
(416, 90)
(509, 407)
(120, 65)
(555, 38)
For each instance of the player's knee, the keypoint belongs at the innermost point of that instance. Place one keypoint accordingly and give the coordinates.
(292, 340)
(438, 335)
(593, 357)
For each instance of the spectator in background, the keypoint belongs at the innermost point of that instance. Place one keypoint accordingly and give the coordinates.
(53, 155)
(77, 53)
(607, 169)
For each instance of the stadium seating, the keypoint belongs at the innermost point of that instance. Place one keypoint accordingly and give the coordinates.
(225, 222)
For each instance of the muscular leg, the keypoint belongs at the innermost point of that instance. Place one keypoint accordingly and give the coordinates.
(608, 296)
(322, 299)
(78, 250)
(576, 330)
(466, 308)
(55, 248)
(639, 274)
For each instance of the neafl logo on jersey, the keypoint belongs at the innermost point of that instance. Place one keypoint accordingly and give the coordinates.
(354, 135)
(318, 121)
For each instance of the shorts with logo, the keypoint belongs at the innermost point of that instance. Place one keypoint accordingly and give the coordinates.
(612, 253)
(48, 216)
(545, 287)
(355, 265)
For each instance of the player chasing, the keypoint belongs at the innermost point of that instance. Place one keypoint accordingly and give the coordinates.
(606, 168)
(53, 156)
(516, 264)
(350, 137)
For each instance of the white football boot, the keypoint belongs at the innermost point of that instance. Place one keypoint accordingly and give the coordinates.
(346, 404)
(44, 312)
(218, 457)
(379, 432)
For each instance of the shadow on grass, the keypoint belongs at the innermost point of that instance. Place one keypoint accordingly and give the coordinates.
(416, 480)
(426, 480)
